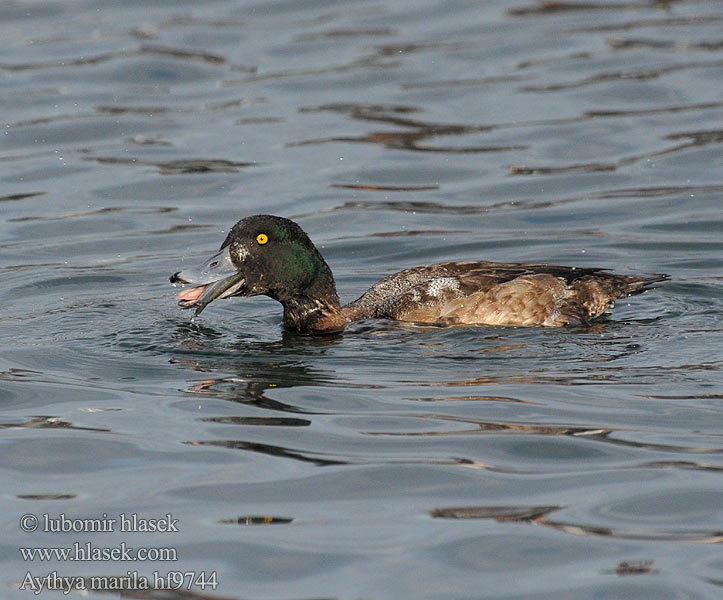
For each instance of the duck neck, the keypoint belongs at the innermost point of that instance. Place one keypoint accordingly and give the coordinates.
(315, 309)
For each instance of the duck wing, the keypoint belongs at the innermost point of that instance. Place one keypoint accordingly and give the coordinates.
(481, 292)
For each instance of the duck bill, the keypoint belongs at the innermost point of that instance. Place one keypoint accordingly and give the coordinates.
(218, 277)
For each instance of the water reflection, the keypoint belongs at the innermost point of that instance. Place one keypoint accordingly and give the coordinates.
(638, 43)
(472, 398)
(363, 62)
(385, 188)
(696, 139)
(419, 206)
(637, 567)
(559, 6)
(497, 427)
(62, 497)
(538, 515)
(271, 450)
(636, 74)
(264, 421)
(178, 53)
(20, 196)
(345, 33)
(178, 167)
(503, 514)
(667, 21)
(256, 520)
(677, 449)
(259, 366)
(249, 390)
(49, 422)
(450, 83)
(403, 140)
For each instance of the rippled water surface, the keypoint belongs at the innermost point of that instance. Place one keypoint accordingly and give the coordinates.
(390, 462)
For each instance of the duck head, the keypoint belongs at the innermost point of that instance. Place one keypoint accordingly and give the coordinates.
(263, 255)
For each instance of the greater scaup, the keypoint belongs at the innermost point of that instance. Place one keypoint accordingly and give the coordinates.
(270, 255)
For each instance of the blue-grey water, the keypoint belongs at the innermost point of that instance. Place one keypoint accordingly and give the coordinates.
(391, 462)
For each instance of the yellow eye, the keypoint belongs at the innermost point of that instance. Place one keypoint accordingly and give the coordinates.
(262, 238)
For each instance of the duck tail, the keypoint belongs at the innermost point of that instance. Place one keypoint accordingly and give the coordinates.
(638, 285)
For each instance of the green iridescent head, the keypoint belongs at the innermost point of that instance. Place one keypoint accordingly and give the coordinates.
(262, 254)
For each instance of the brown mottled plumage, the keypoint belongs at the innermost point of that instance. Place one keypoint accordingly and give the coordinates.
(487, 293)
(273, 256)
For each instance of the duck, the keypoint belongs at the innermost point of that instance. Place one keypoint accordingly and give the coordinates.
(273, 256)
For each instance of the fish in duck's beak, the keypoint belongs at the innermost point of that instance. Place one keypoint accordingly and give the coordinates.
(216, 278)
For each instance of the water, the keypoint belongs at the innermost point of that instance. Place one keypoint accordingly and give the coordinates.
(392, 461)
